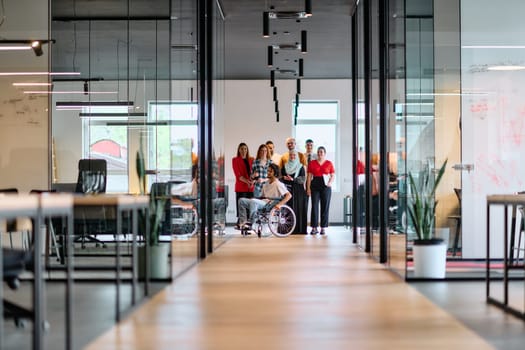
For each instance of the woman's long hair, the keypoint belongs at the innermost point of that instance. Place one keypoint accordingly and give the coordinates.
(259, 151)
(239, 150)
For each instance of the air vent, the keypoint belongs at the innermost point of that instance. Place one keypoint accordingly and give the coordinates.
(287, 47)
(182, 47)
(286, 71)
(287, 15)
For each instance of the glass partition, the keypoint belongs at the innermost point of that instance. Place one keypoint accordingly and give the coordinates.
(396, 137)
(220, 203)
(361, 136)
(24, 81)
(134, 91)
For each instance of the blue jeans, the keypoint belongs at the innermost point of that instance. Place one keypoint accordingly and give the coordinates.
(248, 208)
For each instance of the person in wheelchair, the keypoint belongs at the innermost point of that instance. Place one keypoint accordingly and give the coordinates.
(274, 195)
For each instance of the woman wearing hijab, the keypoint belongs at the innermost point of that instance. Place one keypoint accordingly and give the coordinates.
(293, 176)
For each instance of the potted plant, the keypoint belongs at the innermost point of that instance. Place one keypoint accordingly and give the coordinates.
(158, 253)
(429, 252)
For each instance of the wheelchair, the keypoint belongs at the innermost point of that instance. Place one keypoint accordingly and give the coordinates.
(270, 220)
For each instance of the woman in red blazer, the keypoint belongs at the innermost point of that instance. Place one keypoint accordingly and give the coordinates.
(242, 168)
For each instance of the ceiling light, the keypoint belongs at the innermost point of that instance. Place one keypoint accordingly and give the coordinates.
(4, 74)
(493, 47)
(37, 48)
(35, 45)
(286, 46)
(506, 68)
(308, 8)
(31, 84)
(304, 48)
(287, 14)
(70, 92)
(93, 106)
(266, 24)
(270, 56)
(14, 47)
(298, 86)
(275, 93)
(272, 78)
(94, 103)
(301, 67)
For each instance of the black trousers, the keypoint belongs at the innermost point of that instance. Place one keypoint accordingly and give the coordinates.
(320, 199)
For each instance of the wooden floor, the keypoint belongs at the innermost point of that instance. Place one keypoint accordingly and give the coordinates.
(300, 292)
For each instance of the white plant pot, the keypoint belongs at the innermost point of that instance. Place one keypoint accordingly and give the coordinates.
(430, 261)
(158, 261)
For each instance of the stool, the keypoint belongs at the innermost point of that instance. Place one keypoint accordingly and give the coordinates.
(347, 211)
(457, 218)
(515, 250)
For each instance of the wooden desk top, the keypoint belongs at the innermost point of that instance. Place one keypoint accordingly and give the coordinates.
(123, 201)
(55, 202)
(13, 205)
(506, 199)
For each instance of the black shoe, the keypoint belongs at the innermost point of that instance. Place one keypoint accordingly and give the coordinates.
(322, 231)
(314, 231)
(237, 227)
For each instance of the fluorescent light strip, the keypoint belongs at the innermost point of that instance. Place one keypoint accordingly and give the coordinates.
(32, 84)
(37, 73)
(506, 68)
(493, 47)
(70, 92)
(14, 48)
(449, 94)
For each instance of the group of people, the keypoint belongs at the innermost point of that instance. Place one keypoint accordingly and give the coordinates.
(291, 178)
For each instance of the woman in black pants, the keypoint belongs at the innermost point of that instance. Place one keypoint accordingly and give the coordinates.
(319, 186)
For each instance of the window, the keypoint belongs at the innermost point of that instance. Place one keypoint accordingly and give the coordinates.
(319, 121)
(170, 134)
(107, 138)
(172, 139)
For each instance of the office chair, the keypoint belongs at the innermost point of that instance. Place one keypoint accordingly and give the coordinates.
(22, 225)
(457, 218)
(16, 261)
(92, 177)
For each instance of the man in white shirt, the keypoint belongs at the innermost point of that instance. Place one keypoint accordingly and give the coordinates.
(273, 191)
(309, 154)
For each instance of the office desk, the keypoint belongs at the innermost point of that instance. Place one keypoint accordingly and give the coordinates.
(122, 204)
(12, 207)
(506, 201)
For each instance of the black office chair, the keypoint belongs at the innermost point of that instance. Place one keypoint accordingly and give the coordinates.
(457, 218)
(22, 225)
(16, 261)
(92, 177)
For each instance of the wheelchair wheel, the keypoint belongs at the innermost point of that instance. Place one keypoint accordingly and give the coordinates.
(191, 221)
(281, 221)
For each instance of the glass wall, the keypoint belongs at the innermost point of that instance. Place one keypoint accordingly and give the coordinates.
(396, 137)
(134, 90)
(24, 81)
